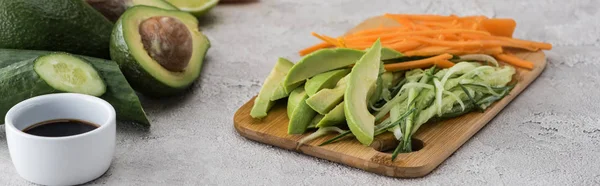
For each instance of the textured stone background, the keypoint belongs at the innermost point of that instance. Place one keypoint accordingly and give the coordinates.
(549, 135)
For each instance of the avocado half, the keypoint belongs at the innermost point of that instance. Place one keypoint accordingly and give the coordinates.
(113, 9)
(159, 51)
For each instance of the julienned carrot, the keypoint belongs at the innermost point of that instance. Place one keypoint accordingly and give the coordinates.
(415, 33)
(328, 39)
(314, 48)
(444, 63)
(473, 44)
(499, 27)
(427, 51)
(417, 63)
(514, 60)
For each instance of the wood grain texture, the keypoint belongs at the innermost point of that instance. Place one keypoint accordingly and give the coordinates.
(440, 139)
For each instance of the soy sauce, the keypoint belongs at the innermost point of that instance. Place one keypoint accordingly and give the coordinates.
(60, 128)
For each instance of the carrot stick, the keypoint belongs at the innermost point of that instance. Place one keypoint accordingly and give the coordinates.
(327, 39)
(413, 33)
(417, 63)
(404, 46)
(514, 60)
(499, 27)
(427, 51)
(314, 48)
(444, 63)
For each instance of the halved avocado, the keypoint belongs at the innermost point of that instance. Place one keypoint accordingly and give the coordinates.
(113, 9)
(159, 51)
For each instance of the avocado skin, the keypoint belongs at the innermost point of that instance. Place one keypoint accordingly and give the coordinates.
(136, 75)
(58, 25)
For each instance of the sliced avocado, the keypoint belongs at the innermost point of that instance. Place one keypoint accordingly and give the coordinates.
(299, 113)
(262, 102)
(279, 91)
(388, 53)
(112, 9)
(159, 51)
(334, 117)
(321, 61)
(324, 80)
(58, 25)
(361, 84)
(326, 60)
(315, 121)
(324, 100)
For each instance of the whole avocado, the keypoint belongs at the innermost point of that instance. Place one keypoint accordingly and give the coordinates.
(58, 25)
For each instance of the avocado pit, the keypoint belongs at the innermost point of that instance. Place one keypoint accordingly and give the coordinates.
(168, 41)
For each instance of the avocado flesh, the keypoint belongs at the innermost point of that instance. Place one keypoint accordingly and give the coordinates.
(279, 91)
(262, 102)
(113, 9)
(334, 117)
(143, 72)
(324, 100)
(324, 80)
(300, 114)
(326, 60)
(361, 84)
(57, 25)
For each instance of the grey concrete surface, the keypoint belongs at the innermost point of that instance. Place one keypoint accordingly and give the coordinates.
(549, 135)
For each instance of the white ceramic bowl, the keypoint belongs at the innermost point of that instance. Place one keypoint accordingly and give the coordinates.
(65, 160)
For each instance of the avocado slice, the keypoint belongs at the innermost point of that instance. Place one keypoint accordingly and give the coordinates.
(113, 9)
(315, 121)
(388, 53)
(361, 85)
(57, 25)
(324, 80)
(279, 91)
(159, 51)
(334, 117)
(324, 100)
(321, 61)
(299, 113)
(326, 60)
(262, 102)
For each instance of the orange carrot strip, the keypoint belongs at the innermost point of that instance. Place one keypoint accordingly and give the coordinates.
(414, 33)
(530, 44)
(417, 63)
(402, 20)
(327, 39)
(514, 60)
(314, 48)
(427, 51)
(444, 63)
(376, 31)
(473, 44)
(499, 27)
(404, 46)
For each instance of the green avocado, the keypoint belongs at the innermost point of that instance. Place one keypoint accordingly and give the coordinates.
(324, 80)
(112, 9)
(262, 102)
(299, 113)
(334, 117)
(361, 85)
(57, 25)
(324, 100)
(159, 51)
(326, 60)
(321, 61)
(279, 91)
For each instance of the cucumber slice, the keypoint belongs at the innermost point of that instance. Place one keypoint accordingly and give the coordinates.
(19, 64)
(68, 73)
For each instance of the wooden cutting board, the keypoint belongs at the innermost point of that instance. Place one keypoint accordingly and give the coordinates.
(438, 140)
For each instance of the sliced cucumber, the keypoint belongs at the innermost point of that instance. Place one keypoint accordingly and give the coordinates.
(19, 64)
(68, 73)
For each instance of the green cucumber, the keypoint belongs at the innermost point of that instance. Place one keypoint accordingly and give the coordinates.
(324, 80)
(68, 73)
(118, 92)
